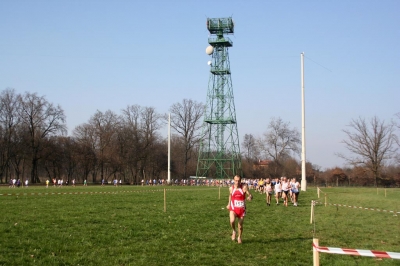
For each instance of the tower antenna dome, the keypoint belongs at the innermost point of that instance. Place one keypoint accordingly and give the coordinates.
(209, 50)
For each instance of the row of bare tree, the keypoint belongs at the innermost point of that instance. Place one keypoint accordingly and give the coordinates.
(26, 123)
(372, 160)
(126, 146)
(129, 146)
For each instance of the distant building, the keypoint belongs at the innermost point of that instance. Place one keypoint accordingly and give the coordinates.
(261, 164)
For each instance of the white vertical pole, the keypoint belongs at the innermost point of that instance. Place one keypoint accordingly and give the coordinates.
(303, 129)
(169, 148)
(165, 200)
(312, 212)
(315, 252)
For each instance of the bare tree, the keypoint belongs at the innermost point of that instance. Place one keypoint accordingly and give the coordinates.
(41, 119)
(397, 157)
(130, 139)
(86, 152)
(151, 123)
(100, 133)
(280, 142)
(316, 170)
(370, 144)
(338, 176)
(250, 148)
(251, 154)
(138, 136)
(185, 120)
(9, 123)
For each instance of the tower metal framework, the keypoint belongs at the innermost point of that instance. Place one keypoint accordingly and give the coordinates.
(219, 153)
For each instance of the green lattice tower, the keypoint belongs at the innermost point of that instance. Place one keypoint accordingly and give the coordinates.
(219, 154)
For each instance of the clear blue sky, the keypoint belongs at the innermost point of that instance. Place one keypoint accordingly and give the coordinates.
(100, 55)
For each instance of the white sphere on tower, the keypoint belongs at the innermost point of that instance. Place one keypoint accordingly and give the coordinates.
(209, 50)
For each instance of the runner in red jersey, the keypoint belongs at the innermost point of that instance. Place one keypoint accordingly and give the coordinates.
(237, 206)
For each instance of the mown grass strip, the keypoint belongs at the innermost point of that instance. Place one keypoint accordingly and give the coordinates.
(130, 228)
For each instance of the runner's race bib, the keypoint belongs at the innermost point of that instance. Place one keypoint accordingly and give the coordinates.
(238, 203)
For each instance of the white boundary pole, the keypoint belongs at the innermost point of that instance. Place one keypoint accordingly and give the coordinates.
(315, 253)
(312, 212)
(165, 201)
(303, 130)
(169, 148)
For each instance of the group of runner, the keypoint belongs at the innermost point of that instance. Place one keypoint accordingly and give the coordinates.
(186, 182)
(59, 182)
(283, 188)
(17, 183)
(239, 192)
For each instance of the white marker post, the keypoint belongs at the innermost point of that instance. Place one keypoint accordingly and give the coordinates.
(312, 212)
(169, 149)
(165, 200)
(315, 252)
(303, 130)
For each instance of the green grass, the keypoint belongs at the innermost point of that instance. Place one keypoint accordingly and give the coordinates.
(128, 226)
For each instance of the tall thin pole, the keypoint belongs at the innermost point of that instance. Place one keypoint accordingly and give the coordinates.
(165, 201)
(315, 252)
(169, 148)
(303, 130)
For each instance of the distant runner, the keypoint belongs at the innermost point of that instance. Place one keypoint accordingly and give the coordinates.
(295, 191)
(268, 190)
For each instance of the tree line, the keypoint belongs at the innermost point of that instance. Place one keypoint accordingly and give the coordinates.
(372, 159)
(130, 146)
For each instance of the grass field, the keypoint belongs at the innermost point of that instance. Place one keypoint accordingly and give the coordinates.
(127, 225)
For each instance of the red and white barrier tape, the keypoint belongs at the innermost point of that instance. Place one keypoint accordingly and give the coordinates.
(101, 192)
(358, 252)
(355, 207)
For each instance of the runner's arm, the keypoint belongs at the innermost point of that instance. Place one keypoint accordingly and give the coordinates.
(247, 191)
(229, 199)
